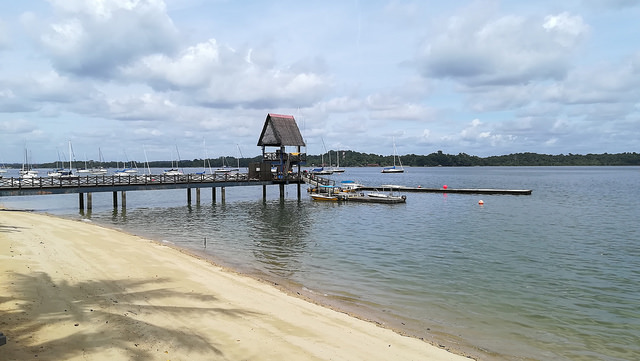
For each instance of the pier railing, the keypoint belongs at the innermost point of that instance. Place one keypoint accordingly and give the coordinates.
(119, 180)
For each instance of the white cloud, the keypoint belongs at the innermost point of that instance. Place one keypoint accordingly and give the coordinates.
(93, 38)
(508, 49)
(566, 28)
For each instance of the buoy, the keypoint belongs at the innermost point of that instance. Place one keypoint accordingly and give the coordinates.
(480, 202)
(444, 186)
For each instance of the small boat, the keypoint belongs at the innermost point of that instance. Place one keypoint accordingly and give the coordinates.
(99, 171)
(321, 171)
(350, 186)
(325, 193)
(379, 198)
(172, 172)
(324, 197)
(60, 173)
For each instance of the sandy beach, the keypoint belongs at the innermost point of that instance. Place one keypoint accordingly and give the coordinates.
(72, 290)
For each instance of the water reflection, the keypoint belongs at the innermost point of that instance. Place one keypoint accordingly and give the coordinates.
(280, 233)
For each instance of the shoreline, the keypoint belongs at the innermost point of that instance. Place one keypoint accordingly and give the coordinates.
(170, 305)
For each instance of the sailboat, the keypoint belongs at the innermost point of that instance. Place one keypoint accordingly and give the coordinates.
(321, 170)
(125, 172)
(27, 172)
(394, 169)
(84, 169)
(58, 171)
(69, 174)
(337, 168)
(99, 170)
(225, 168)
(174, 171)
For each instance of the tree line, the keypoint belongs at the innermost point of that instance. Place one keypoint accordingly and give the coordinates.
(440, 159)
(349, 158)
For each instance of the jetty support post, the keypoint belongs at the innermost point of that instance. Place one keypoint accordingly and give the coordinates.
(213, 194)
(197, 195)
(124, 199)
(299, 193)
(115, 199)
(264, 192)
(281, 190)
(188, 195)
(81, 201)
(222, 194)
(89, 201)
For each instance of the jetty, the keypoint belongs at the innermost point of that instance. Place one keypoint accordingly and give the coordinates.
(448, 190)
(279, 168)
(316, 181)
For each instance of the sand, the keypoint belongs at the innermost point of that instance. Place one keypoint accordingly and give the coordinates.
(72, 290)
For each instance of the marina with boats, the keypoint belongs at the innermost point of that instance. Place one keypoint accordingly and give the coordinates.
(275, 168)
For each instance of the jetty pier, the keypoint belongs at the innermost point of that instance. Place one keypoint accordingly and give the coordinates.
(116, 183)
(276, 168)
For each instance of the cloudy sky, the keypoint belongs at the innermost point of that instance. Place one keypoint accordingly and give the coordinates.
(129, 77)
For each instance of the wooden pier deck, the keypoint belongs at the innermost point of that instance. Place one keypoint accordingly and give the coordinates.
(388, 187)
(113, 183)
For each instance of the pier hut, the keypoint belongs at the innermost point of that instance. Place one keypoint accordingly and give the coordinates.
(279, 131)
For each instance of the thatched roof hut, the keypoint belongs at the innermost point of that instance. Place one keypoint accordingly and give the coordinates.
(280, 131)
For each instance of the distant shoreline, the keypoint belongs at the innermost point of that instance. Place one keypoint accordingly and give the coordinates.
(436, 159)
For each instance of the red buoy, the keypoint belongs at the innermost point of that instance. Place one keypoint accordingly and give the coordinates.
(444, 186)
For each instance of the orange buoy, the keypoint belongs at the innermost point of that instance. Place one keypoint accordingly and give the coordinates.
(481, 202)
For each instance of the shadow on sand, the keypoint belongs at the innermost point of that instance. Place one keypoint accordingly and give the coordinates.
(107, 318)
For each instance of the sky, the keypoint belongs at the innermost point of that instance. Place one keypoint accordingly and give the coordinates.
(185, 79)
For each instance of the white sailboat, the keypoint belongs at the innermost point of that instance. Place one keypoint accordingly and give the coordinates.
(322, 170)
(225, 168)
(174, 171)
(125, 172)
(337, 168)
(99, 170)
(27, 172)
(394, 169)
(69, 174)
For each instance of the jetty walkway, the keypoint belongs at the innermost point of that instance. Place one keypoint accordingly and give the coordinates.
(139, 182)
(398, 188)
(316, 180)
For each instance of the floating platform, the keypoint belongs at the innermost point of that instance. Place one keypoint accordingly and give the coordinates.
(448, 190)
(368, 199)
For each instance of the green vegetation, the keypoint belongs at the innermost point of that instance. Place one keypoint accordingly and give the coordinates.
(355, 159)
(350, 158)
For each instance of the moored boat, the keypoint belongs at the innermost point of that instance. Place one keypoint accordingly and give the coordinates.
(394, 169)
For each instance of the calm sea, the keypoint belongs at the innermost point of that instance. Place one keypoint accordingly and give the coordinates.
(550, 276)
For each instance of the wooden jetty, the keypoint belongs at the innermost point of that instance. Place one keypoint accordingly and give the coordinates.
(316, 181)
(449, 190)
(115, 183)
(277, 168)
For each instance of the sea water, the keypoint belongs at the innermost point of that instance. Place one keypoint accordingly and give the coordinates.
(551, 275)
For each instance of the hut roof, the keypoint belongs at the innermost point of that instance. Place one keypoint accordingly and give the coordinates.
(280, 130)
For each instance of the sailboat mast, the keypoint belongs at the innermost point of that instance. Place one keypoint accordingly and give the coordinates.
(70, 157)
